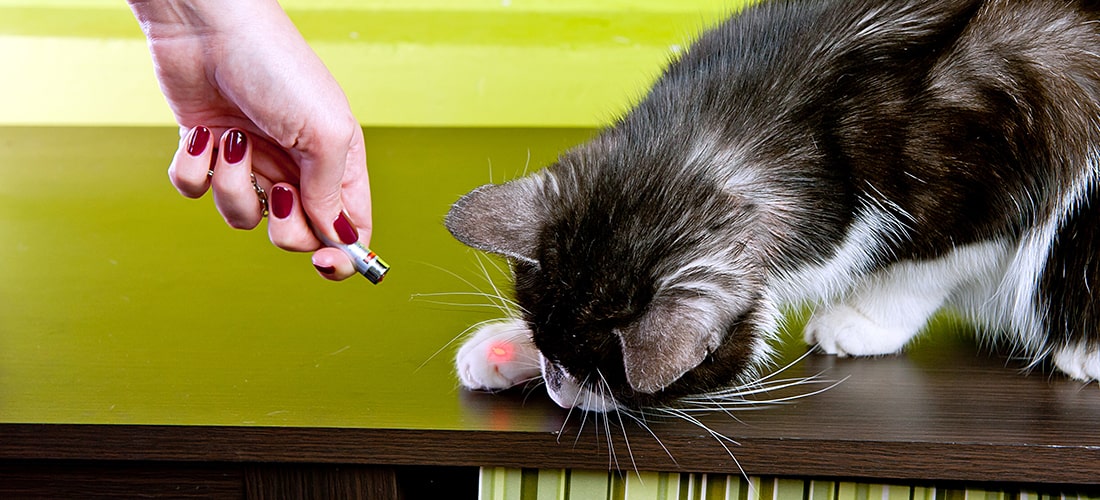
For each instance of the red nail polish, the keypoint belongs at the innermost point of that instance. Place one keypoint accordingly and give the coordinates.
(196, 144)
(282, 201)
(325, 269)
(347, 232)
(235, 145)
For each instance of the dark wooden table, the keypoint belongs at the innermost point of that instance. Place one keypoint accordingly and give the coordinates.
(145, 345)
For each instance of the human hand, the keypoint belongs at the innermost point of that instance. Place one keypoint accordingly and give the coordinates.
(252, 98)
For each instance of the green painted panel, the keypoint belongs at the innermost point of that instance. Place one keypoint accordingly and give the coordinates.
(924, 493)
(551, 484)
(858, 491)
(691, 486)
(822, 490)
(889, 492)
(981, 494)
(643, 486)
(499, 483)
(669, 488)
(716, 486)
(588, 484)
(789, 489)
(456, 22)
(529, 484)
(418, 63)
(123, 303)
(951, 494)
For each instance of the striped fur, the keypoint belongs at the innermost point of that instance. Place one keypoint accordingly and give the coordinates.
(880, 158)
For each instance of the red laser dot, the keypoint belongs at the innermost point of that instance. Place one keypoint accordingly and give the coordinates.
(500, 352)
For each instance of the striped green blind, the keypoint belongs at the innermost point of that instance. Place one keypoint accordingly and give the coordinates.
(556, 484)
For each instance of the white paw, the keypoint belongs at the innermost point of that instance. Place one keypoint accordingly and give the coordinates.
(1079, 361)
(497, 356)
(841, 330)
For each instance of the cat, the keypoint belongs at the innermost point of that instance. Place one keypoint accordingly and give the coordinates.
(878, 159)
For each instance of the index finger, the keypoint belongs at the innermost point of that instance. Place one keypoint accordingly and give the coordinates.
(190, 169)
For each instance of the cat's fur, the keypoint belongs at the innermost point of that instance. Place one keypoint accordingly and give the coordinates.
(880, 158)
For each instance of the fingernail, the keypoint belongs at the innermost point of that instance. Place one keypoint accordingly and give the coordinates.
(347, 232)
(282, 200)
(234, 146)
(196, 144)
(325, 269)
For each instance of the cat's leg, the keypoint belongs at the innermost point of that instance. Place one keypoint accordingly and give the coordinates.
(1067, 296)
(878, 318)
(497, 356)
(1080, 361)
(889, 308)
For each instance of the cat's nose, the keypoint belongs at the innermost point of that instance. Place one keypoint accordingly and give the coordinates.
(568, 392)
(559, 385)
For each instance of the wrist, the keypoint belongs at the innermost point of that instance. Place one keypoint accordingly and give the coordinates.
(173, 18)
(168, 18)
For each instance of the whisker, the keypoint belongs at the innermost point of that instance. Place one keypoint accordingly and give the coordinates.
(458, 304)
(776, 373)
(507, 306)
(729, 411)
(564, 422)
(639, 419)
(500, 270)
(605, 394)
(454, 339)
(745, 396)
(530, 386)
(775, 386)
(739, 398)
(511, 304)
(452, 274)
(602, 395)
(676, 412)
(761, 404)
(496, 300)
(719, 437)
(505, 301)
(612, 457)
(584, 416)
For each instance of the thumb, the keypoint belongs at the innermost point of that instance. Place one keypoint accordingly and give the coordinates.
(335, 189)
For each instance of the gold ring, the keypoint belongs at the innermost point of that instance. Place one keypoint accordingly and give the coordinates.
(260, 193)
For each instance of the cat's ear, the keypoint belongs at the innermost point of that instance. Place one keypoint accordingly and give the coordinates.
(669, 340)
(501, 218)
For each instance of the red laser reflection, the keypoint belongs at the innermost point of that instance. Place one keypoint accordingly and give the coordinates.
(501, 352)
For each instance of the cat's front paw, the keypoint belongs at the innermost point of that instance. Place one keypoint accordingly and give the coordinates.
(497, 356)
(841, 330)
(1081, 362)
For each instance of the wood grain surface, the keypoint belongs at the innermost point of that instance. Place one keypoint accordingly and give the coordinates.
(946, 415)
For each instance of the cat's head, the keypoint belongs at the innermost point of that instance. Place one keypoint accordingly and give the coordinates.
(638, 278)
